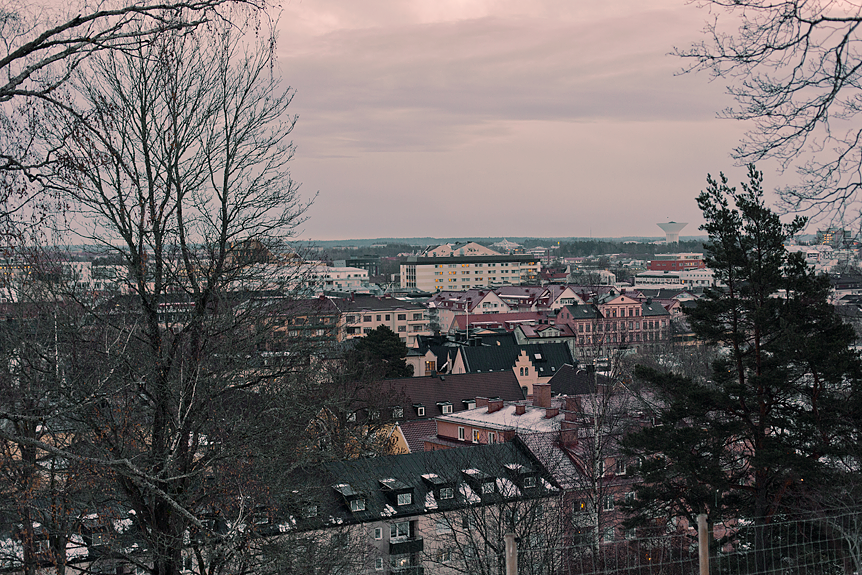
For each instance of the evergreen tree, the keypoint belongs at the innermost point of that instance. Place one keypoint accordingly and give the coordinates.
(382, 347)
(747, 440)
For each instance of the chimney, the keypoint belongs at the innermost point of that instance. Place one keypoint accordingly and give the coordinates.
(495, 404)
(542, 395)
(520, 408)
(568, 433)
(481, 402)
(552, 412)
(572, 407)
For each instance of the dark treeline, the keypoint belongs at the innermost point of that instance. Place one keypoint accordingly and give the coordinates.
(601, 247)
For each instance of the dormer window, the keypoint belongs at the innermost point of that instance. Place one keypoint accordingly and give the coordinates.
(397, 491)
(469, 403)
(487, 487)
(445, 407)
(397, 412)
(529, 482)
(355, 500)
(447, 493)
(420, 409)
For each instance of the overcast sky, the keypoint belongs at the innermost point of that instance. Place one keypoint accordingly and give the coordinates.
(500, 118)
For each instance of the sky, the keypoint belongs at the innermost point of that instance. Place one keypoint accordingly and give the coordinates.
(547, 118)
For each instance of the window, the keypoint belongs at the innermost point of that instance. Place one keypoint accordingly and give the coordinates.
(621, 464)
(475, 436)
(630, 496)
(487, 488)
(608, 503)
(366, 318)
(444, 555)
(399, 561)
(581, 506)
(420, 411)
(402, 328)
(492, 437)
(400, 530)
(378, 533)
(378, 317)
(340, 541)
(378, 564)
(402, 317)
(357, 505)
(430, 366)
(537, 512)
(529, 482)
(608, 535)
(443, 526)
(446, 408)
(405, 498)
(387, 317)
(397, 413)
(447, 493)
(461, 433)
(417, 316)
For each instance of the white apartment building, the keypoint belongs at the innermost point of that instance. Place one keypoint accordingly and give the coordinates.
(461, 273)
(345, 279)
(683, 279)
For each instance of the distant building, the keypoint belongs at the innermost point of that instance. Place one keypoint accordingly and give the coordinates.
(676, 262)
(460, 273)
(343, 279)
(362, 314)
(835, 237)
(460, 250)
(371, 264)
(506, 246)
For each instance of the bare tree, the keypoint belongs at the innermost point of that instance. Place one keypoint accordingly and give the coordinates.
(794, 68)
(171, 155)
(41, 47)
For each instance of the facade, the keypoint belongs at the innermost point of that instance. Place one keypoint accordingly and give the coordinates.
(344, 279)
(683, 279)
(462, 273)
(676, 262)
(361, 314)
(459, 249)
(435, 511)
(615, 320)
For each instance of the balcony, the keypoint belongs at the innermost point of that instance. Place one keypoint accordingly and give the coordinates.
(406, 546)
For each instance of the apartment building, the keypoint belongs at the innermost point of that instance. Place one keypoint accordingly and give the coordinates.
(361, 314)
(462, 273)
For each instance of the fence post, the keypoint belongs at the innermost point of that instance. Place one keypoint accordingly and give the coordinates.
(703, 544)
(511, 554)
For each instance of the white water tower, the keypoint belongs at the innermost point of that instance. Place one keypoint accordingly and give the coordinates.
(671, 231)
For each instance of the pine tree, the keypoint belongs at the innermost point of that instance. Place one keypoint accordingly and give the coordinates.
(383, 347)
(747, 441)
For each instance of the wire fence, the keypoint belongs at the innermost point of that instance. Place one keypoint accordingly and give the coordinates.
(826, 543)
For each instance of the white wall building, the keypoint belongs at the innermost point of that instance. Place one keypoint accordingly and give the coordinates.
(461, 273)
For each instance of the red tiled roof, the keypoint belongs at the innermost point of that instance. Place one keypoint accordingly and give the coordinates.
(416, 431)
